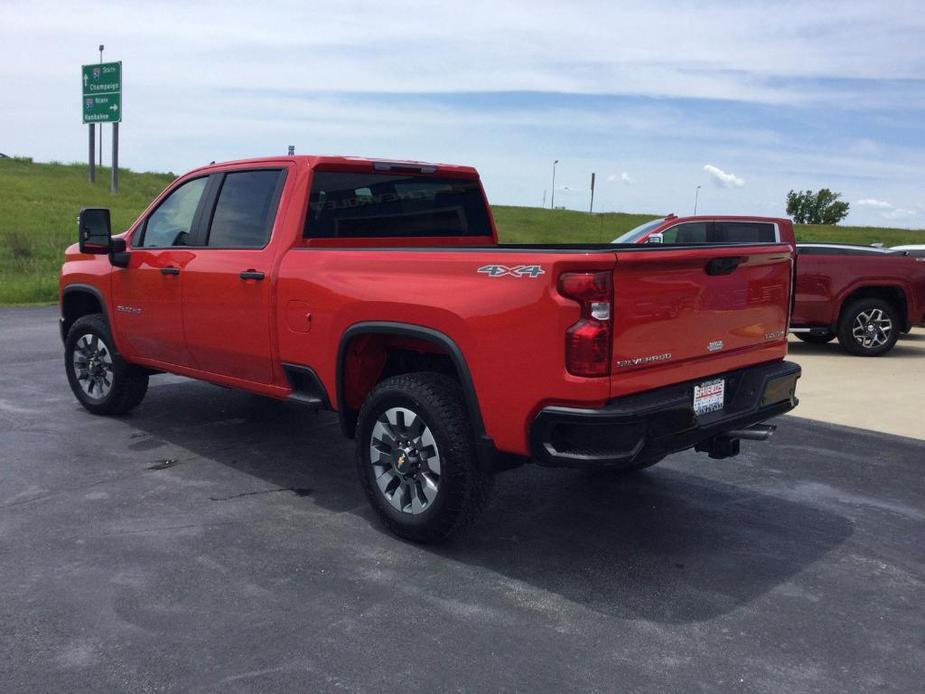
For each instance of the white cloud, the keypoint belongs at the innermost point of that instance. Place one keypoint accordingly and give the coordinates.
(873, 202)
(722, 178)
(624, 178)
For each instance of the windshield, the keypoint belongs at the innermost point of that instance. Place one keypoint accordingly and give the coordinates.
(636, 233)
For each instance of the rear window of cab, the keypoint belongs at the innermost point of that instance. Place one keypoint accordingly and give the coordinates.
(371, 205)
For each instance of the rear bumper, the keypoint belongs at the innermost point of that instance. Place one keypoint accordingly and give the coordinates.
(647, 426)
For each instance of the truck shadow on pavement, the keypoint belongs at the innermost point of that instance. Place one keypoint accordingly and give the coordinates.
(662, 545)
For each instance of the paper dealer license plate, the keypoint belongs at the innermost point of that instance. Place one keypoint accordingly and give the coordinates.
(709, 396)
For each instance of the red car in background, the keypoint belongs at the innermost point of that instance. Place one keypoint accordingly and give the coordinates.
(862, 295)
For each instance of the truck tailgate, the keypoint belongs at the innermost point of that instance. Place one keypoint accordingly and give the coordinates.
(683, 314)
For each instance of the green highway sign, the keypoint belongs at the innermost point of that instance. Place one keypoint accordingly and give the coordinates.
(102, 92)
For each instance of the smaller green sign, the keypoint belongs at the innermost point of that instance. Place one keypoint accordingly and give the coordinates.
(102, 93)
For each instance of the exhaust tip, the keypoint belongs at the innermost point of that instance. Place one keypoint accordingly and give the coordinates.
(758, 432)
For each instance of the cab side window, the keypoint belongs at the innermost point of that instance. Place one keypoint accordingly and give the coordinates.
(170, 224)
(245, 209)
(690, 232)
(745, 232)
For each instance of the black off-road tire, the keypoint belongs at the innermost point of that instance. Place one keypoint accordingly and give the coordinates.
(816, 338)
(855, 313)
(129, 383)
(462, 486)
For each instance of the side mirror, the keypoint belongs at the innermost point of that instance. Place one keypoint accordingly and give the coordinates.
(94, 231)
(655, 238)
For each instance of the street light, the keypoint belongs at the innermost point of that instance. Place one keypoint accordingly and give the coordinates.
(696, 197)
(552, 205)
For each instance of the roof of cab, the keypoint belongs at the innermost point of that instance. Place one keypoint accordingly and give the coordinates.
(363, 163)
(724, 218)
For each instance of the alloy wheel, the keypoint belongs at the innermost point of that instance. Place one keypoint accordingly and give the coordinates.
(406, 459)
(872, 328)
(92, 361)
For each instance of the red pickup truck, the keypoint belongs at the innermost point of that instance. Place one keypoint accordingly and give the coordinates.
(378, 289)
(865, 296)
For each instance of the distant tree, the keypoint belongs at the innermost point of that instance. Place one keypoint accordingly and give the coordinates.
(824, 207)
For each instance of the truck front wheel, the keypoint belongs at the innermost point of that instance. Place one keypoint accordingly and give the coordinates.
(868, 328)
(416, 457)
(101, 380)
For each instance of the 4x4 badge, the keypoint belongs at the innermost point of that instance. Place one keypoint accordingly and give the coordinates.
(531, 271)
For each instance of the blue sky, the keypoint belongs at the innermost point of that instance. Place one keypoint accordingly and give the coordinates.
(746, 100)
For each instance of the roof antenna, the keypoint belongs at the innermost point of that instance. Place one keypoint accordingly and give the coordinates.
(291, 150)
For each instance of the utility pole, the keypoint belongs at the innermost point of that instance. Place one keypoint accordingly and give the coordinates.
(696, 198)
(552, 205)
(101, 125)
(544, 198)
(591, 208)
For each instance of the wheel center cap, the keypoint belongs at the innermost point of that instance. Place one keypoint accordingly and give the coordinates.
(403, 459)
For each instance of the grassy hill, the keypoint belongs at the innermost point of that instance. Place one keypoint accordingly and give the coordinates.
(39, 205)
(38, 219)
(532, 224)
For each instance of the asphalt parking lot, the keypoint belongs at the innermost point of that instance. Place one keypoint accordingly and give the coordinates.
(217, 541)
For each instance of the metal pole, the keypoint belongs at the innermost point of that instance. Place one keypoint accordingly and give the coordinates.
(591, 209)
(114, 185)
(101, 125)
(696, 197)
(544, 198)
(92, 152)
(552, 204)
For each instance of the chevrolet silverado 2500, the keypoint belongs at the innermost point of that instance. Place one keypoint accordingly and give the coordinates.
(378, 290)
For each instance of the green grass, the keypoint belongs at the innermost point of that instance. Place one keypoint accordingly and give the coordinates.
(532, 225)
(39, 205)
(38, 219)
(536, 225)
(861, 235)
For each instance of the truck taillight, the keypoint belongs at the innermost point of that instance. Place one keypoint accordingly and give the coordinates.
(588, 342)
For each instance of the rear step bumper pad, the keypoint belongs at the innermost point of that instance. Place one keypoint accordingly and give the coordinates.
(646, 427)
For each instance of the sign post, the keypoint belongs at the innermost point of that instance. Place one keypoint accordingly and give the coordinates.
(92, 153)
(101, 102)
(114, 182)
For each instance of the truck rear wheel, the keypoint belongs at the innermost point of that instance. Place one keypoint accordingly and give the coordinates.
(101, 380)
(416, 457)
(868, 328)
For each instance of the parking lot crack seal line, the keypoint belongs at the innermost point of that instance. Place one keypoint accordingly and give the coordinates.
(298, 491)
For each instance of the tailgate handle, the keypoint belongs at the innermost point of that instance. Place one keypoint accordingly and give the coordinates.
(724, 266)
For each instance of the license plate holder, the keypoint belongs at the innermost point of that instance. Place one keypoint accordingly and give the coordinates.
(709, 396)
